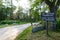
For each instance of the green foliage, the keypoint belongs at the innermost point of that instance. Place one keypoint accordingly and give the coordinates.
(4, 12)
(2, 15)
(11, 22)
(58, 20)
(58, 13)
(36, 2)
(58, 24)
(53, 5)
(6, 22)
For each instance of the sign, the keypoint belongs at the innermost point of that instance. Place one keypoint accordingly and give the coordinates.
(47, 14)
(48, 17)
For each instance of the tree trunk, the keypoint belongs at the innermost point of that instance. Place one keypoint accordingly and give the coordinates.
(53, 10)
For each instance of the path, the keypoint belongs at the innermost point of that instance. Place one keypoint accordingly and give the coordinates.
(10, 33)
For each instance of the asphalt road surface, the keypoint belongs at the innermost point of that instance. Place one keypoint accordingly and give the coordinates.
(10, 33)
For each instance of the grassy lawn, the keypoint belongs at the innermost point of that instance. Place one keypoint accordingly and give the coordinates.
(41, 35)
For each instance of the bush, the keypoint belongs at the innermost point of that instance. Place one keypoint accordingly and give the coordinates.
(58, 24)
(6, 22)
(11, 22)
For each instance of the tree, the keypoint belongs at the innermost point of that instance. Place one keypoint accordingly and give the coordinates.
(53, 4)
(2, 14)
(5, 10)
(19, 12)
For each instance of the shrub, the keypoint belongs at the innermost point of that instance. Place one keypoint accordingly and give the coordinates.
(58, 24)
(6, 22)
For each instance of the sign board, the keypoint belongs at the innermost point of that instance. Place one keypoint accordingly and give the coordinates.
(47, 14)
(48, 17)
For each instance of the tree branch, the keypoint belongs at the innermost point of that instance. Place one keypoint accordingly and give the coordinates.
(54, 1)
(47, 2)
(58, 2)
(57, 5)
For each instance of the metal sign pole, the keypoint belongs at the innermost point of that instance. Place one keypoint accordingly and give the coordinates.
(47, 28)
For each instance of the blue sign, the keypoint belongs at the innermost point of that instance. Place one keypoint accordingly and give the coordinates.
(47, 14)
(47, 17)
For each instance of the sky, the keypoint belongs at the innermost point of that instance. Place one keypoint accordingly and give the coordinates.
(23, 3)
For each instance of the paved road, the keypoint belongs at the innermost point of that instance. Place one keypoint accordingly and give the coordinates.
(10, 33)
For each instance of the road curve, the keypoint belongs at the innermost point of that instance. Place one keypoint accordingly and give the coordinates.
(10, 33)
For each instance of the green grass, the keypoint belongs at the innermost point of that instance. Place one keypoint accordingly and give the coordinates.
(24, 34)
(41, 35)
